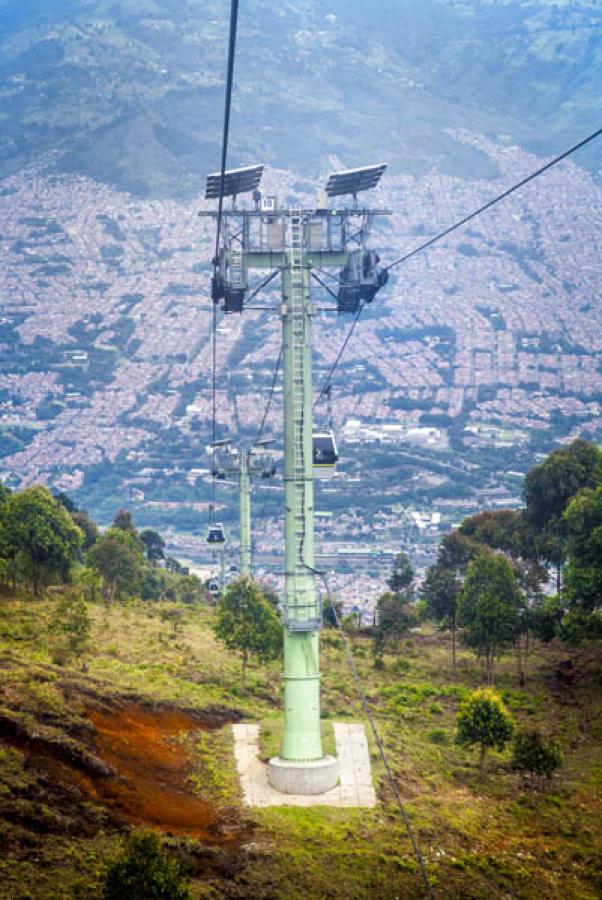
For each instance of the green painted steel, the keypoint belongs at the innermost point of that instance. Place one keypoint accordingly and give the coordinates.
(302, 739)
(277, 260)
(245, 514)
(222, 571)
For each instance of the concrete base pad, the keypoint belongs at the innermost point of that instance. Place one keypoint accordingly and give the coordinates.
(355, 776)
(303, 778)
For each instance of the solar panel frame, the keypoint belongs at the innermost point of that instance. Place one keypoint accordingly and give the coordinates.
(236, 181)
(352, 181)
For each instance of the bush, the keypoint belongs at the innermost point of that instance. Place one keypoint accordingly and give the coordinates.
(144, 872)
(536, 755)
(484, 720)
(72, 625)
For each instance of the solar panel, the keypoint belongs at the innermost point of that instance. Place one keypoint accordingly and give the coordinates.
(236, 181)
(352, 181)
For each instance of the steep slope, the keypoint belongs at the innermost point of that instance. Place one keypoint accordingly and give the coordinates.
(131, 92)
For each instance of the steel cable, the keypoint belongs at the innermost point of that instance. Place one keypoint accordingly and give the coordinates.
(224, 158)
(495, 200)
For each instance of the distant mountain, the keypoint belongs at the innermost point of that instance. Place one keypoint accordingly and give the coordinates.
(131, 92)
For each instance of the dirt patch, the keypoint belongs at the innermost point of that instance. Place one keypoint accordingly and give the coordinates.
(144, 747)
(38, 739)
(131, 758)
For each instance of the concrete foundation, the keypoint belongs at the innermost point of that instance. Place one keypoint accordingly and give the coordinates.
(354, 786)
(303, 777)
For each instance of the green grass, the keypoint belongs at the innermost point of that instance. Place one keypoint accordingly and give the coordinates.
(502, 837)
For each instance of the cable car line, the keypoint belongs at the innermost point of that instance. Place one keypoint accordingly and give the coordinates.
(261, 286)
(224, 158)
(428, 889)
(368, 713)
(269, 400)
(454, 227)
(321, 283)
(495, 200)
(333, 368)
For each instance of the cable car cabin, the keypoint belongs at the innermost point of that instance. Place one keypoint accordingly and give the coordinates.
(212, 585)
(325, 454)
(360, 279)
(268, 468)
(234, 299)
(216, 534)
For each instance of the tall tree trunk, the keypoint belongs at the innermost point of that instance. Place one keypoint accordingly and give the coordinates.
(482, 756)
(558, 579)
(244, 669)
(489, 668)
(519, 663)
(453, 631)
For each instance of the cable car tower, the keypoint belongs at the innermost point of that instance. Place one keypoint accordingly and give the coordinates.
(292, 242)
(243, 464)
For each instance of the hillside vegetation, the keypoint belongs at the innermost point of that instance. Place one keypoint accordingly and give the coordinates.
(502, 837)
(115, 712)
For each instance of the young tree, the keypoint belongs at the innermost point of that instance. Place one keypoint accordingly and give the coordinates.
(71, 621)
(547, 491)
(144, 871)
(489, 608)
(118, 563)
(484, 720)
(393, 619)
(88, 527)
(536, 755)
(123, 520)
(439, 593)
(246, 622)
(154, 544)
(401, 577)
(440, 589)
(501, 529)
(39, 530)
(172, 564)
(583, 518)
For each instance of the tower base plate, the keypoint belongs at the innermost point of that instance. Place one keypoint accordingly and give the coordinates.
(316, 777)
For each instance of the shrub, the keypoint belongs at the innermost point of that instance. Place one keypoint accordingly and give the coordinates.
(536, 755)
(144, 872)
(72, 625)
(483, 719)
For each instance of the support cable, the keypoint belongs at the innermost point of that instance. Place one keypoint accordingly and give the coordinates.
(261, 286)
(327, 382)
(269, 400)
(322, 284)
(454, 227)
(502, 196)
(428, 889)
(224, 158)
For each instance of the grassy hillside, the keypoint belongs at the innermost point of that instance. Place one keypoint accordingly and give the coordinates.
(154, 705)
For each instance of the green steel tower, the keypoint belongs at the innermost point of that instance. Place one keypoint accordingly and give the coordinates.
(242, 464)
(292, 243)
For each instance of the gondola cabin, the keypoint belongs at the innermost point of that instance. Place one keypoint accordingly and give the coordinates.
(325, 454)
(216, 534)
